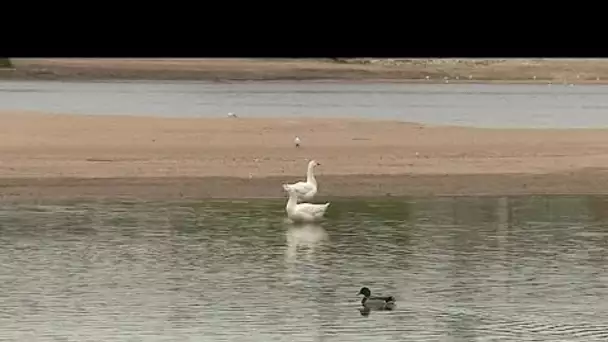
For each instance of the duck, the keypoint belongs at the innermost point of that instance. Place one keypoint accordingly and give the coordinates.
(306, 212)
(376, 303)
(305, 191)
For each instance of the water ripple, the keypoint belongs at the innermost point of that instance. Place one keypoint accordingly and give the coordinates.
(461, 269)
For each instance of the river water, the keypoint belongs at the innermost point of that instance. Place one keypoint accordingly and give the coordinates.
(462, 269)
(487, 105)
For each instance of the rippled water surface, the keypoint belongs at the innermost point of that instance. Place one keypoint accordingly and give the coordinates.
(462, 269)
(513, 105)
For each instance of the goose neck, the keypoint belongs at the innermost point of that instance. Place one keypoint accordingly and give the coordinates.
(291, 201)
(310, 176)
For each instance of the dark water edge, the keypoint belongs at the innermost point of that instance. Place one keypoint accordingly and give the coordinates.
(462, 269)
(382, 204)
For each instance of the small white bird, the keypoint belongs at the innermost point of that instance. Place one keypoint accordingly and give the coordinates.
(232, 115)
(297, 141)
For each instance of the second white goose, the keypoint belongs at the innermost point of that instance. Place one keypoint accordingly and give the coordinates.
(306, 212)
(305, 191)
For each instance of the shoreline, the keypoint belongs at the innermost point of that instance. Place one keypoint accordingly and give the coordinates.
(582, 182)
(524, 71)
(45, 157)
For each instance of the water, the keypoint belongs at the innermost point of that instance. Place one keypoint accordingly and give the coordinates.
(491, 105)
(462, 269)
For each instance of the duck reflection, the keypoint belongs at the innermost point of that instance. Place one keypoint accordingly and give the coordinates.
(365, 312)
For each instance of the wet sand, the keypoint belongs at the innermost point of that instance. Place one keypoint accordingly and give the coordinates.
(455, 70)
(54, 156)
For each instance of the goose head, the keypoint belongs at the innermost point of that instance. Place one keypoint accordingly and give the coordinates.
(313, 163)
(289, 190)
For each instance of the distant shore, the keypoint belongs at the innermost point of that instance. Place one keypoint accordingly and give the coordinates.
(46, 156)
(592, 71)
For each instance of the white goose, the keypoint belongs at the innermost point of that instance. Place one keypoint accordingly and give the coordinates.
(306, 190)
(306, 212)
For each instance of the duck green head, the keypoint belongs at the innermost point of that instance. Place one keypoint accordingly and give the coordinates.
(365, 291)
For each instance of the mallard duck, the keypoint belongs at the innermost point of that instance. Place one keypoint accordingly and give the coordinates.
(376, 303)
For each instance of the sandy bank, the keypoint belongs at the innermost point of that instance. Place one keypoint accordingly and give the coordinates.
(456, 70)
(53, 156)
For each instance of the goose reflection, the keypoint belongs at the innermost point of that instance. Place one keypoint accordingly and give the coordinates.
(305, 275)
(308, 236)
(303, 239)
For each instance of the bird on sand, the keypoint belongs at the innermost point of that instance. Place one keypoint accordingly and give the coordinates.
(232, 115)
(297, 141)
